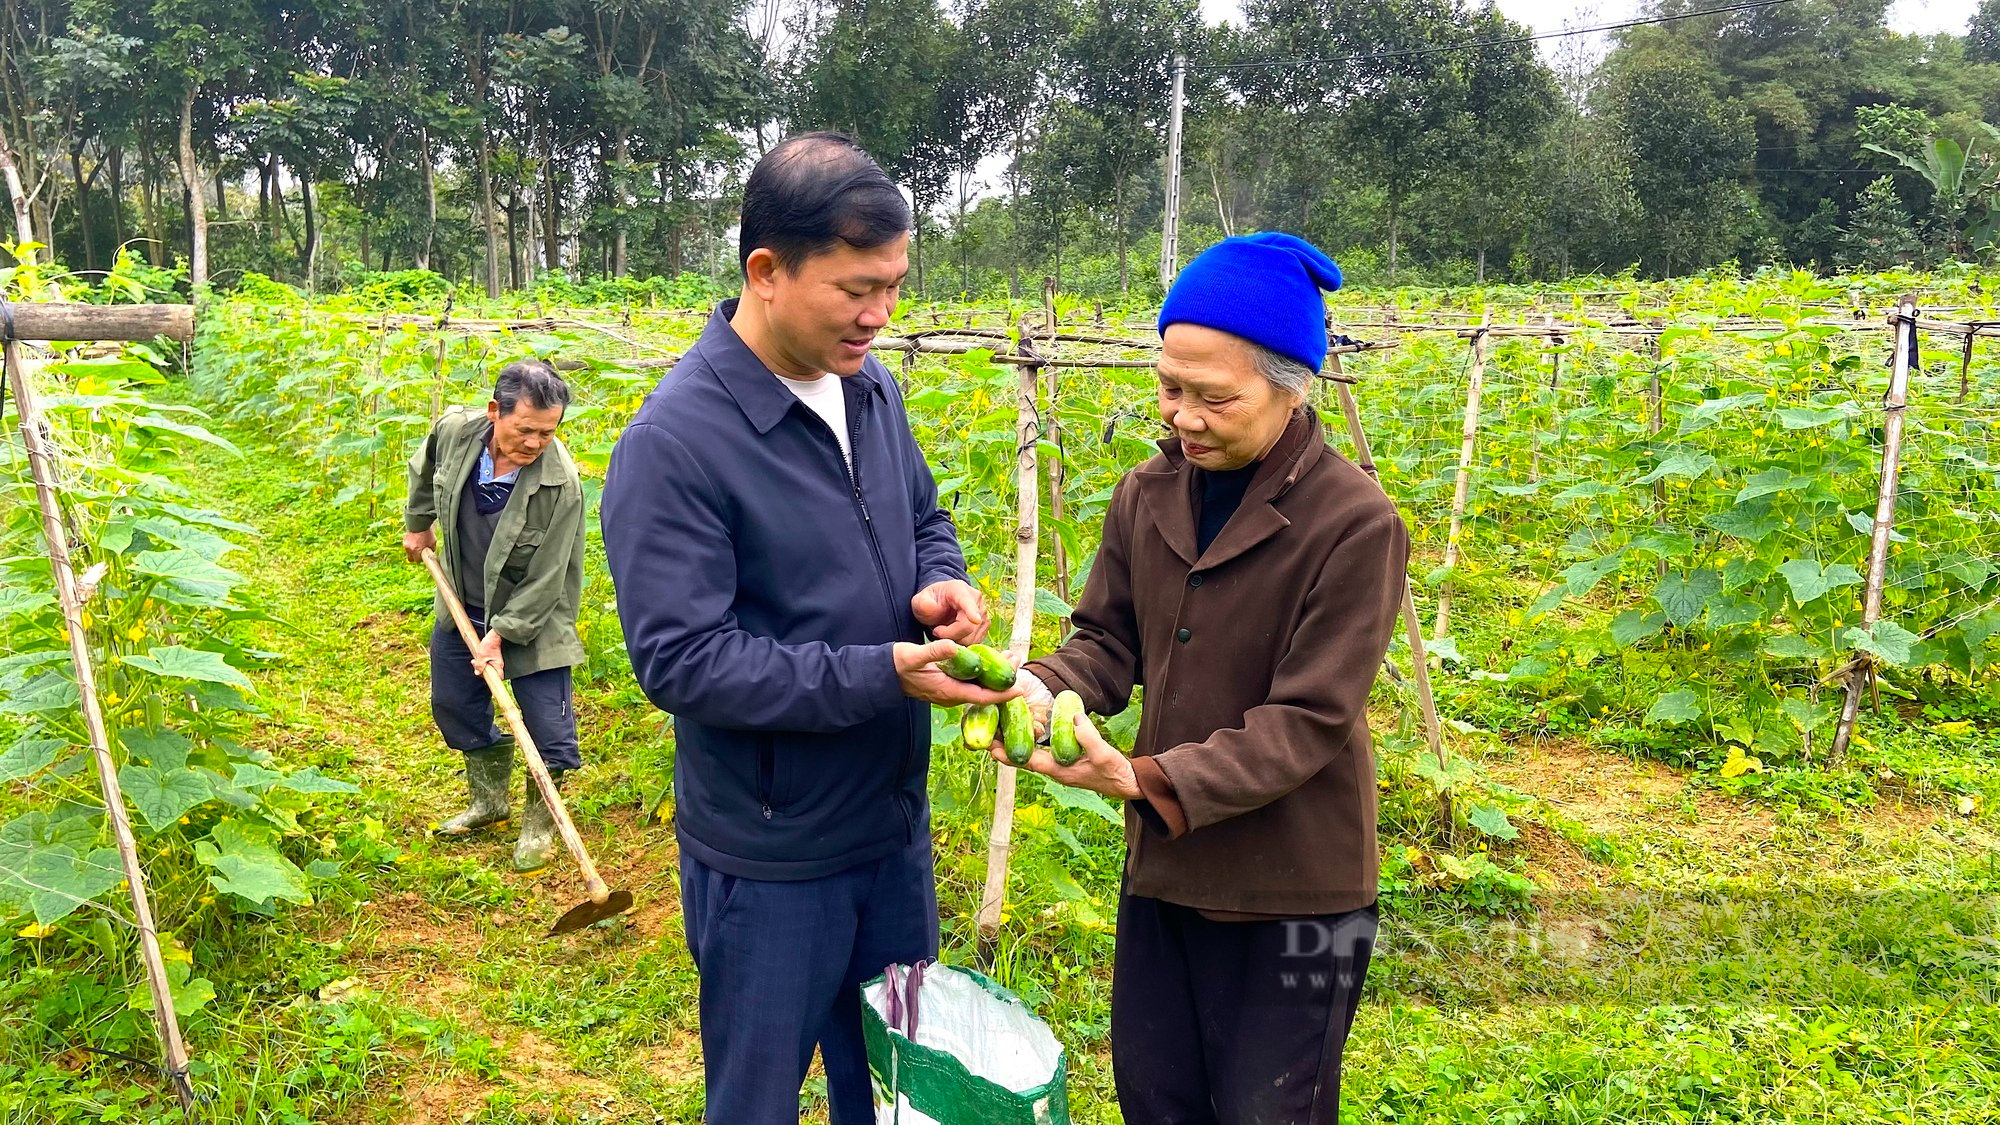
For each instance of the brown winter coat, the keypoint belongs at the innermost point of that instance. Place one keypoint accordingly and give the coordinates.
(1257, 658)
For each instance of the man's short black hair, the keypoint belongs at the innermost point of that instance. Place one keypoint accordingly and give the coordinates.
(533, 380)
(815, 190)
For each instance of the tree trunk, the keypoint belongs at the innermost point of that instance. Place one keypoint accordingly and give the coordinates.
(1014, 215)
(221, 198)
(552, 222)
(312, 230)
(1221, 208)
(115, 164)
(677, 232)
(83, 206)
(17, 196)
(264, 212)
(513, 237)
(488, 223)
(430, 199)
(531, 235)
(1482, 265)
(624, 202)
(1118, 222)
(149, 207)
(964, 254)
(1059, 251)
(284, 214)
(1394, 200)
(191, 178)
(281, 219)
(476, 55)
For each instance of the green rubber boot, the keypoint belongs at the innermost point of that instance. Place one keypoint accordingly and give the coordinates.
(538, 829)
(488, 773)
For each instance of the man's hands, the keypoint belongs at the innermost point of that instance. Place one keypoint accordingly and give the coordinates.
(487, 653)
(916, 667)
(1102, 769)
(952, 610)
(415, 543)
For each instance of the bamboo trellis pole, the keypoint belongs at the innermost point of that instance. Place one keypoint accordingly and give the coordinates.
(1655, 421)
(437, 364)
(1059, 464)
(1552, 348)
(1413, 629)
(1000, 841)
(1475, 384)
(375, 407)
(54, 320)
(1895, 404)
(72, 596)
(1965, 369)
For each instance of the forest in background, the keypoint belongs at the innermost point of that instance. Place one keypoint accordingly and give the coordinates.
(1423, 141)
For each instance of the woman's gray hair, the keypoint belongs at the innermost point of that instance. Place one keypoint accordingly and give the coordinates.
(1282, 371)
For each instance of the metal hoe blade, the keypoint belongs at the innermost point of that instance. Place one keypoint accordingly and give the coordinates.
(587, 912)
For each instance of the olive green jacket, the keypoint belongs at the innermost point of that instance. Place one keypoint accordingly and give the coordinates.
(534, 569)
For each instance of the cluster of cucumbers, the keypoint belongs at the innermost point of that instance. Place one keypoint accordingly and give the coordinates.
(1010, 722)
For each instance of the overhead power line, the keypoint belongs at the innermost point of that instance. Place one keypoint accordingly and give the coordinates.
(1419, 52)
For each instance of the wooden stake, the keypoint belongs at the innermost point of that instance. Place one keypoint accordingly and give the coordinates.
(1555, 382)
(1469, 439)
(1656, 419)
(1000, 842)
(1413, 629)
(437, 365)
(1965, 368)
(1895, 404)
(41, 467)
(1058, 465)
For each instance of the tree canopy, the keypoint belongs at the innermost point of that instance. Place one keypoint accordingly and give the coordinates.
(495, 143)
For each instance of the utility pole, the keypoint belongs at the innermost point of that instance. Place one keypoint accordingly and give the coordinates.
(1170, 228)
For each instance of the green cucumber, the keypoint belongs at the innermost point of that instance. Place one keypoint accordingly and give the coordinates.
(1017, 730)
(978, 726)
(964, 664)
(1063, 744)
(994, 672)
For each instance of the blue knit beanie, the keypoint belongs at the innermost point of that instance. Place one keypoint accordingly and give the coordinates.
(1263, 288)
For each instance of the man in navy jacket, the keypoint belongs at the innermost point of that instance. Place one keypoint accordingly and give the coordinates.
(778, 550)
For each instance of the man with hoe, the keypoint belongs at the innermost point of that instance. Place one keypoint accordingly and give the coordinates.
(778, 550)
(1249, 577)
(503, 494)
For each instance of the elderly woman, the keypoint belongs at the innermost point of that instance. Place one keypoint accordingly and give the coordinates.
(1249, 577)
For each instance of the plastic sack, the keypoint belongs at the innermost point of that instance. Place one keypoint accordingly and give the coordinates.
(947, 1046)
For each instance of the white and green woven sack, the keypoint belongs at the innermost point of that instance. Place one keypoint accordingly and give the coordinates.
(948, 1046)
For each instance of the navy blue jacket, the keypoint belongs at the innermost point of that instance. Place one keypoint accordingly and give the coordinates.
(761, 587)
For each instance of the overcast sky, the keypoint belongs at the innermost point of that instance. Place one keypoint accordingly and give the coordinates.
(1916, 17)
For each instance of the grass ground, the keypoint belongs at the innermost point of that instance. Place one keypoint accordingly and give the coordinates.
(1691, 955)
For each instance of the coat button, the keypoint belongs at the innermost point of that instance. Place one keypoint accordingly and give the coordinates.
(1194, 579)
(1183, 636)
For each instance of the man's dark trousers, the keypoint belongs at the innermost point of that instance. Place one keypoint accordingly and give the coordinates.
(1233, 1023)
(781, 966)
(462, 706)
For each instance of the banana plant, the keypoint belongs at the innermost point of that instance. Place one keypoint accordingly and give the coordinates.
(1962, 179)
